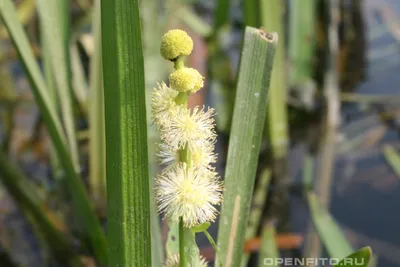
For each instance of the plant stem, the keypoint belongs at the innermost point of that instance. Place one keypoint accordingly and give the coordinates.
(179, 63)
(184, 157)
(182, 254)
(186, 237)
(211, 240)
(182, 98)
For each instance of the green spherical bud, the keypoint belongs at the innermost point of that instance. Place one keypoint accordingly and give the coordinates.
(176, 43)
(186, 80)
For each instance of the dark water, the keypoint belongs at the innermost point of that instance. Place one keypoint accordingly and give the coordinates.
(366, 192)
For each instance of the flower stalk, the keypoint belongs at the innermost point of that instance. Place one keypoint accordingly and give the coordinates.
(188, 188)
(183, 259)
(184, 157)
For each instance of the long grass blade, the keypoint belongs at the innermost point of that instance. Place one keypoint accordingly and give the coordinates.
(57, 170)
(268, 249)
(362, 258)
(126, 135)
(393, 158)
(251, 14)
(221, 15)
(272, 19)
(330, 233)
(54, 23)
(97, 178)
(302, 30)
(245, 140)
(84, 212)
(79, 82)
(308, 173)
(25, 12)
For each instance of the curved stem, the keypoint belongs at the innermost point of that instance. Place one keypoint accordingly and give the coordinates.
(211, 240)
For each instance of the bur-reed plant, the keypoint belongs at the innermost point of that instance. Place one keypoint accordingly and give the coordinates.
(188, 188)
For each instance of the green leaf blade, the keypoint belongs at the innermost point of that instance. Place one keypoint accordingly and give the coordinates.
(393, 158)
(302, 30)
(361, 258)
(54, 25)
(330, 233)
(244, 144)
(126, 135)
(268, 249)
(80, 201)
(97, 178)
(272, 12)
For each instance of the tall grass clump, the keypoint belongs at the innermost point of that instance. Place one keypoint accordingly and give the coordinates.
(85, 214)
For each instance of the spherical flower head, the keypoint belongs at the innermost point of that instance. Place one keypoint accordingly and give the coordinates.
(187, 127)
(188, 193)
(176, 43)
(202, 153)
(174, 260)
(186, 80)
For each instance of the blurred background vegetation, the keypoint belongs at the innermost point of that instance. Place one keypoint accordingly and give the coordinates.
(332, 125)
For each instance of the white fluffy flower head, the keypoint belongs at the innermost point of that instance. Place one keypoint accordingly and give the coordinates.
(189, 194)
(187, 127)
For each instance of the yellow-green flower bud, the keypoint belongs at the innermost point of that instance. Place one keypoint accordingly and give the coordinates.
(186, 80)
(176, 43)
